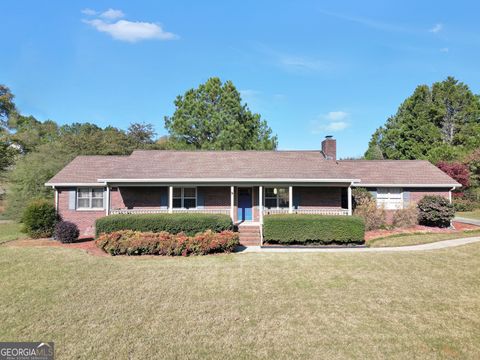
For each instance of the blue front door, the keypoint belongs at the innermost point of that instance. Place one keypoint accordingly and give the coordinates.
(244, 204)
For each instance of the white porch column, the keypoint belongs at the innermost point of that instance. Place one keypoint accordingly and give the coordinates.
(260, 204)
(349, 200)
(107, 205)
(290, 199)
(232, 203)
(170, 199)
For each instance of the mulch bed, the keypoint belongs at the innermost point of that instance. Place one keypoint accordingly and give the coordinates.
(85, 244)
(458, 227)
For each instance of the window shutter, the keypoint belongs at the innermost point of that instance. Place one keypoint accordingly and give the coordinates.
(72, 194)
(406, 199)
(164, 199)
(296, 199)
(200, 199)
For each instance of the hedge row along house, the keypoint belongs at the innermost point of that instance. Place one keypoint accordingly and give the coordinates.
(246, 185)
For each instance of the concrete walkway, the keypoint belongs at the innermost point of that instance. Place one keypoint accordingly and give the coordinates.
(467, 221)
(423, 247)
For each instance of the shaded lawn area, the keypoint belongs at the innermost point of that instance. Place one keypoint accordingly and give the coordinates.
(470, 214)
(419, 238)
(388, 305)
(11, 231)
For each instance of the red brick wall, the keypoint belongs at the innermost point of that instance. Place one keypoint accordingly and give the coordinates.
(84, 219)
(417, 194)
(137, 197)
(312, 197)
(215, 197)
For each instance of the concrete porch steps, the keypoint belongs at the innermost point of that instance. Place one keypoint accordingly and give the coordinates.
(249, 234)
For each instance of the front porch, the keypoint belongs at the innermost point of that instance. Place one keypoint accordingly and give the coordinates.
(242, 203)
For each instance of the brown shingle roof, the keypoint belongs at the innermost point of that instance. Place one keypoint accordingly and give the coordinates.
(247, 165)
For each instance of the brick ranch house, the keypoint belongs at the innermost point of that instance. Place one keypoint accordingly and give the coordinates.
(246, 185)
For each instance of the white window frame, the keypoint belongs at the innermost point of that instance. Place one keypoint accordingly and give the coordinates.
(183, 197)
(390, 198)
(276, 197)
(90, 198)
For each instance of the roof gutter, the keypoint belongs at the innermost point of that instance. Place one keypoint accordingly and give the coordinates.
(226, 180)
(408, 185)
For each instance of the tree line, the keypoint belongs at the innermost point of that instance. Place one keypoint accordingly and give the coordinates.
(210, 117)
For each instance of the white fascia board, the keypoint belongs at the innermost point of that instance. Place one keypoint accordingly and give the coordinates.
(408, 185)
(75, 184)
(228, 180)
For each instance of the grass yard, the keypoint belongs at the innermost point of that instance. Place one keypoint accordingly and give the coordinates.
(470, 214)
(11, 231)
(331, 306)
(419, 238)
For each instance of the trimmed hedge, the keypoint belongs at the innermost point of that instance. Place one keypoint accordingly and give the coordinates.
(189, 224)
(313, 229)
(127, 242)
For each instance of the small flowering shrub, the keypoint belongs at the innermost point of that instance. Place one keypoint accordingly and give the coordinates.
(435, 211)
(405, 218)
(128, 242)
(66, 232)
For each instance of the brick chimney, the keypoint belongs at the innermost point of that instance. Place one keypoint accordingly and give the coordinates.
(329, 148)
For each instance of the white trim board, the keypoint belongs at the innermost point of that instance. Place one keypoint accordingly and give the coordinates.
(408, 185)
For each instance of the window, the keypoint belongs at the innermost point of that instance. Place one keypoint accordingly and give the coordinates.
(90, 198)
(184, 198)
(276, 198)
(390, 198)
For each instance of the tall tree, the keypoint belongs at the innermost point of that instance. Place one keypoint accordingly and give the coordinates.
(213, 117)
(7, 152)
(7, 106)
(437, 123)
(142, 134)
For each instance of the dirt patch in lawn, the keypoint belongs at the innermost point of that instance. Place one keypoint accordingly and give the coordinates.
(85, 244)
(457, 227)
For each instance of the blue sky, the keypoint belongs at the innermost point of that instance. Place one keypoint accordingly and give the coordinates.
(310, 68)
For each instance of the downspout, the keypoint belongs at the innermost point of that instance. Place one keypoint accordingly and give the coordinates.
(450, 194)
(450, 199)
(107, 207)
(56, 199)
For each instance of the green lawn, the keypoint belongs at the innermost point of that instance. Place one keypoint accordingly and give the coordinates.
(416, 239)
(11, 231)
(470, 214)
(322, 306)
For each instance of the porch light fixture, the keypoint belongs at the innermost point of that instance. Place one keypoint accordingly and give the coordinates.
(275, 191)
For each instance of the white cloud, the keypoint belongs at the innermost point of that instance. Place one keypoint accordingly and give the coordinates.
(437, 28)
(112, 14)
(332, 121)
(444, 50)
(336, 126)
(131, 31)
(88, 12)
(336, 115)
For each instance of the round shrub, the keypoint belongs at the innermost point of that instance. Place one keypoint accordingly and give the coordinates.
(66, 232)
(39, 218)
(435, 210)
